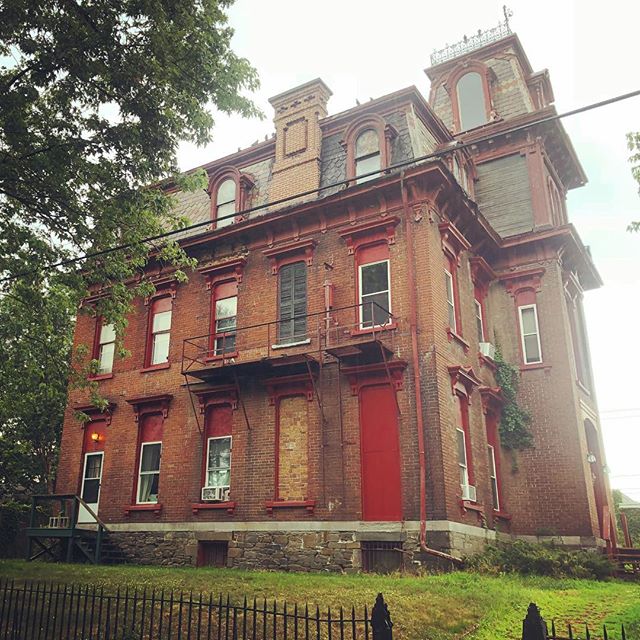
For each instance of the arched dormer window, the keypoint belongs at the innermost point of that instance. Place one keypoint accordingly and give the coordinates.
(229, 190)
(368, 145)
(367, 155)
(471, 96)
(225, 202)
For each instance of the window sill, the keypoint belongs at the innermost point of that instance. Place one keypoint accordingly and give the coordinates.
(229, 506)
(156, 367)
(487, 362)
(221, 356)
(534, 366)
(371, 330)
(453, 336)
(101, 376)
(287, 345)
(502, 515)
(309, 505)
(467, 505)
(155, 507)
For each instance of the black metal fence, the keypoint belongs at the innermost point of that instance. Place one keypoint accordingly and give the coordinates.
(39, 611)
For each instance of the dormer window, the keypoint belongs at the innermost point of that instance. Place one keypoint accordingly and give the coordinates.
(472, 102)
(367, 142)
(230, 195)
(367, 155)
(225, 203)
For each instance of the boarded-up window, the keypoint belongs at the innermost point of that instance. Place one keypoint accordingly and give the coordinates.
(212, 554)
(293, 303)
(293, 455)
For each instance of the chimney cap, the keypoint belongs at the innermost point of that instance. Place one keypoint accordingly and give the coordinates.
(302, 88)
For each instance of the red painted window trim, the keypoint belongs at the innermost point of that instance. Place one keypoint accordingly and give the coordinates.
(156, 299)
(148, 410)
(463, 405)
(370, 232)
(213, 403)
(300, 251)
(244, 183)
(370, 253)
(278, 389)
(215, 296)
(492, 420)
(452, 84)
(386, 133)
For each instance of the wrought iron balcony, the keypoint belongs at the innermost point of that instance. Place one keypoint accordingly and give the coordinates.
(364, 330)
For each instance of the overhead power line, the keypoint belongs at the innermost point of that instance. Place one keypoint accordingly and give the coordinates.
(455, 146)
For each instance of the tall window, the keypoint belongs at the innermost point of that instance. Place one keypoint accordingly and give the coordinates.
(292, 280)
(530, 334)
(462, 458)
(479, 322)
(367, 155)
(493, 477)
(159, 331)
(225, 203)
(106, 349)
(375, 290)
(453, 302)
(465, 466)
(225, 307)
(149, 458)
(149, 472)
(471, 101)
(219, 462)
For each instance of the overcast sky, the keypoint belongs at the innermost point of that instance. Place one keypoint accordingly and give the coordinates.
(365, 49)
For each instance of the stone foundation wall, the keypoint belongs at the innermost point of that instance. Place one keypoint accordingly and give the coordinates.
(305, 551)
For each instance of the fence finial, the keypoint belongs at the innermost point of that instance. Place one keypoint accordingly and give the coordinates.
(381, 620)
(533, 626)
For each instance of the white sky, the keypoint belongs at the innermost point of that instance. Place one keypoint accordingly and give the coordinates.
(364, 49)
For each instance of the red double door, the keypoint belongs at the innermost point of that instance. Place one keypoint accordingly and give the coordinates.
(380, 454)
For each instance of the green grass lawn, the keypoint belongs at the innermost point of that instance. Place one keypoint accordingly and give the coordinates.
(437, 607)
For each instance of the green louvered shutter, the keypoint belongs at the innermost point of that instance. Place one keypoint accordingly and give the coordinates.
(293, 303)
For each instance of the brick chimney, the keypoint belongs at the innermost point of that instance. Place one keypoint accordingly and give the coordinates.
(298, 138)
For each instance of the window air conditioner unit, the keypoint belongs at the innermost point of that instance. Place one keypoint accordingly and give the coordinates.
(468, 492)
(215, 494)
(488, 350)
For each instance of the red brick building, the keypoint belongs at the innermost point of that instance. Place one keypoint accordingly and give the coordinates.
(323, 387)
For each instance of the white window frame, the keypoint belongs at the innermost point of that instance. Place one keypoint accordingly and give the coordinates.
(464, 466)
(140, 472)
(523, 335)
(226, 221)
(220, 337)
(493, 475)
(206, 473)
(152, 360)
(102, 369)
(360, 294)
(479, 320)
(451, 302)
(357, 158)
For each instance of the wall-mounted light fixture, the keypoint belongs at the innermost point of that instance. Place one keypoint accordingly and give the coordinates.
(95, 436)
(591, 458)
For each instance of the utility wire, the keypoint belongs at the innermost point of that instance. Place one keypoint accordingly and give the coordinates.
(454, 146)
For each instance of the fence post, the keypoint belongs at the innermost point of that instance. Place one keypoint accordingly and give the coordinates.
(533, 626)
(381, 624)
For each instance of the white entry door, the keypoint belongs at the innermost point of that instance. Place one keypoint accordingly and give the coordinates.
(91, 477)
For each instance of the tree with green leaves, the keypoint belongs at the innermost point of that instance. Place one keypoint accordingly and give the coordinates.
(36, 335)
(95, 96)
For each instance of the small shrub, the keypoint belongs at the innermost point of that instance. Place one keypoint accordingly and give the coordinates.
(544, 559)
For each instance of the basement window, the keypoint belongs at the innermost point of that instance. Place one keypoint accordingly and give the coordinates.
(381, 556)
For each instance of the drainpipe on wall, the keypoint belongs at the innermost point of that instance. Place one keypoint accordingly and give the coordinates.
(413, 327)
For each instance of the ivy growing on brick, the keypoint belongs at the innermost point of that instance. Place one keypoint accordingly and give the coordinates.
(515, 421)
